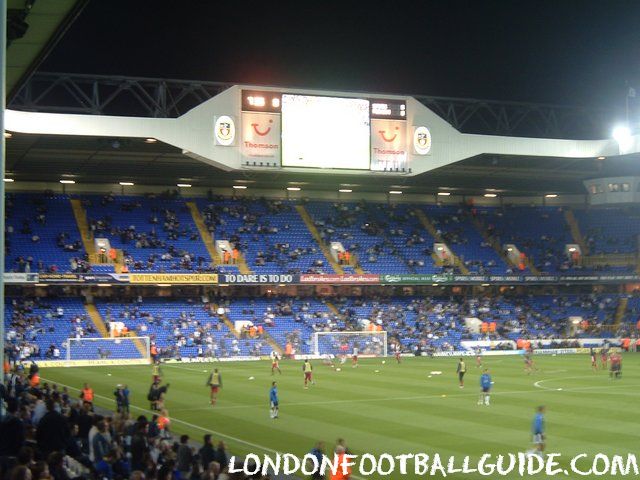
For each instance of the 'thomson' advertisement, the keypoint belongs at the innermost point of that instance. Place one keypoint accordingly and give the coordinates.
(388, 144)
(261, 136)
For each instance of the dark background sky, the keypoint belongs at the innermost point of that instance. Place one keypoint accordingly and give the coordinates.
(563, 51)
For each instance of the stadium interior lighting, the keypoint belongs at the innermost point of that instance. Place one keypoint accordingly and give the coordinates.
(240, 187)
(8, 134)
(395, 192)
(127, 184)
(103, 284)
(601, 157)
(293, 189)
(184, 185)
(444, 194)
(9, 180)
(621, 134)
(485, 284)
(551, 195)
(572, 249)
(490, 195)
(275, 103)
(163, 284)
(345, 190)
(68, 181)
(150, 140)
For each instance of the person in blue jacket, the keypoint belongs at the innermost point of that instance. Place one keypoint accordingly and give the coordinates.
(485, 388)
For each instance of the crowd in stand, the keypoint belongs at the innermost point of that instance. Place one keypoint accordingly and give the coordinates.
(26, 329)
(48, 434)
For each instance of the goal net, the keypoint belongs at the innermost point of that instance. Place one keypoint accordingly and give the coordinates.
(367, 344)
(108, 351)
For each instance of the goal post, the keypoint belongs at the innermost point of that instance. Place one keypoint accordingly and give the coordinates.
(368, 344)
(108, 351)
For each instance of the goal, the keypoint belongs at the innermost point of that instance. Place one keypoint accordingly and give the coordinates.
(108, 351)
(369, 344)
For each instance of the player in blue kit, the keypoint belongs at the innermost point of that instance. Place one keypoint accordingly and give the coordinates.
(273, 400)
(538, 431)
(485, 388)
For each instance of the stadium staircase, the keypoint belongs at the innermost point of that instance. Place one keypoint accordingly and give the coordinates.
(97, 319)
(209, 240)
(80, 215)
(621, 310)
(333, 308)
(308, 221)
(433, 231)
(227, 321)
(576, 234)
(495, 244)
(266, 336)
(101, 326)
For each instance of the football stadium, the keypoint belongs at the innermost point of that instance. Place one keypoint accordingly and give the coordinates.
(304, 278)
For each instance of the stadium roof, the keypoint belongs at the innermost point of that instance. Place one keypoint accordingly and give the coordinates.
(33, 30)
(111, 160)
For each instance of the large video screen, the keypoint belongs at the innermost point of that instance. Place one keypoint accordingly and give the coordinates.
(325, 132)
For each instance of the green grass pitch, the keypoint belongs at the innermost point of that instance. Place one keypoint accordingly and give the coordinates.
(389, 407)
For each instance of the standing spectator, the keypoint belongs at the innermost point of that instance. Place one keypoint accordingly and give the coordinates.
(100, 443)
(207, 453)
(318, 452)
(53, 433)
(185, 457)
(11, 431)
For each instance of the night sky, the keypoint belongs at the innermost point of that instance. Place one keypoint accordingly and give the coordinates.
(579, 52)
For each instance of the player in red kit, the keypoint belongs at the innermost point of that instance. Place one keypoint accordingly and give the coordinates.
(604, 356)
(398, 355)
(275, 363)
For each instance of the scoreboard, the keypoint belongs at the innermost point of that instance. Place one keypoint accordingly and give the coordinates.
(323, 131)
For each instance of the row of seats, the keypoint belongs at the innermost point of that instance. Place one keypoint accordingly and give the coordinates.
(158, 234)
(197, 328)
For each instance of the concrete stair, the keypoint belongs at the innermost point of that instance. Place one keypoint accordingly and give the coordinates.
(433, 231)
(621, 310)
(209, 240)
(308, 221)
(576, 234)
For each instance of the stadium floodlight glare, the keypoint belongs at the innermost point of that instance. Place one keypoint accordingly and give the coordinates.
(621, 134)
(294, 189)
(127, 184)
(345, 190)
(490, 195)
(184, 185)
(9, 180)
(240, 187)
(551, 195)
(150, 140)
(395, 192)
(444, 194)
(69, 182)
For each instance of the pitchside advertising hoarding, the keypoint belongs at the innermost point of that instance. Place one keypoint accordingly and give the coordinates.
(309, 279)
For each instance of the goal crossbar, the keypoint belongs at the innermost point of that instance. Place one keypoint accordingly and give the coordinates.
(366, 343)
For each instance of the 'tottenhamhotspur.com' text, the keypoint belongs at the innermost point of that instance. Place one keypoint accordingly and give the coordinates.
(439, 466)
